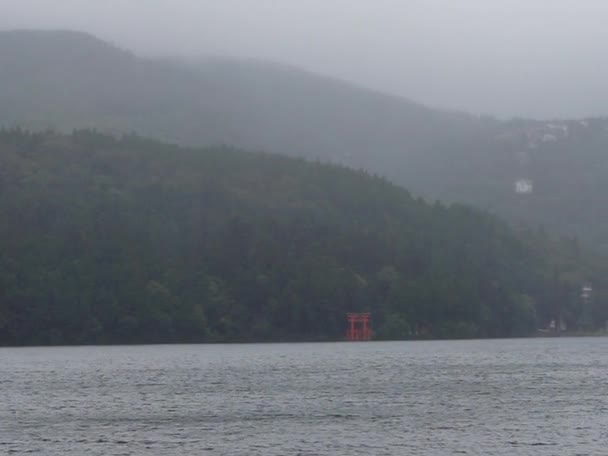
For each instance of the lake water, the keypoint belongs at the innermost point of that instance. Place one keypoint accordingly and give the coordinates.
(499, 397)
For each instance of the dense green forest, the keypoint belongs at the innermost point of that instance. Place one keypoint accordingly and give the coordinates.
(65, 80)
(108, 240)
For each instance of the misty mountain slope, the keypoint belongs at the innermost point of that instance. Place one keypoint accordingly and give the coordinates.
(66, 80)
(564, 162)
(69, 79)
(130, 240)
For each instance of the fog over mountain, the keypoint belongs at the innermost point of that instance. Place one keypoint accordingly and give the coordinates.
(540, 58)
(547, 173)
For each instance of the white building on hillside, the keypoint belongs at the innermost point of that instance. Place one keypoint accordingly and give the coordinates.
(523, 186)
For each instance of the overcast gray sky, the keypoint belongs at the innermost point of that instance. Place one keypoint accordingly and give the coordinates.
(541, 58)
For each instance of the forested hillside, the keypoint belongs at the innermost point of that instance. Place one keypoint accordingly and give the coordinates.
(66, 80)
(564, 162)
(129, 240)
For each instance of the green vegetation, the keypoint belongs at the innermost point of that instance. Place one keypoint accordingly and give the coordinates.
(107, 240)
(130, 240)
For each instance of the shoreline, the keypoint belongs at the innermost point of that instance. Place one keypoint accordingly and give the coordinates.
(539, 335)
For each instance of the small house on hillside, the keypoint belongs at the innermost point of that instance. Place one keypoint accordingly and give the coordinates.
(523, 186)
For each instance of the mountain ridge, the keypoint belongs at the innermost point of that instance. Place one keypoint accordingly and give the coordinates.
(443, 155)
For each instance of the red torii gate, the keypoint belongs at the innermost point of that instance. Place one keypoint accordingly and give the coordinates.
(358, 326)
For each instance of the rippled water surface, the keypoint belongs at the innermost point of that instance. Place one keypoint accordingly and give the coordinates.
(500, 397)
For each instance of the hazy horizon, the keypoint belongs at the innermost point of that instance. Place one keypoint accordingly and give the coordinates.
(536, 59)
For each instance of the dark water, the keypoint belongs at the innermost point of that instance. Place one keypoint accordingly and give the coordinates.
(515, 397)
